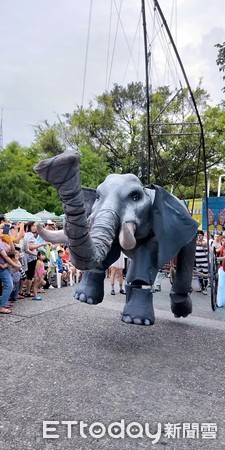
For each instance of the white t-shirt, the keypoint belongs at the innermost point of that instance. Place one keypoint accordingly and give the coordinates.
(28, 238)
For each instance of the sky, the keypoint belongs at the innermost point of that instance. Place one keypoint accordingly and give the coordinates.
(60, 54)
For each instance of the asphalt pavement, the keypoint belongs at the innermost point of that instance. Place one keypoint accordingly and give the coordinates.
(65, 361)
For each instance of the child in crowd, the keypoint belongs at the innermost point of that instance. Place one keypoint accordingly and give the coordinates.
(62, 267)
(16, 275)
(221, 277)
(39, 273)
(201, 261)
(66, 259)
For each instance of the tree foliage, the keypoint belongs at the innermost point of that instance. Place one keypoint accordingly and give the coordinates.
(114, 128)
(111, 136)
(20, 186)
(220, 61)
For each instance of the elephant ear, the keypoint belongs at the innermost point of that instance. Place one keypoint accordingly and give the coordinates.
(172, 224)
(89, 199)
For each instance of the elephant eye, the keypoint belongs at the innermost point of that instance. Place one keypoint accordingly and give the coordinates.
(97, 196)
(135, 196)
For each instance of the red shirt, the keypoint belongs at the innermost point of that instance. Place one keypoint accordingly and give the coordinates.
(222, 253)
(66, 257)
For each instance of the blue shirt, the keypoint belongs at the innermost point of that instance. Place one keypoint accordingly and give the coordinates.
(59, 263)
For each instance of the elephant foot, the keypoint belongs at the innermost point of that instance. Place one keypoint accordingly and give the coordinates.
(138, 309)
(181, 304)
(91, 287)
(59, 169)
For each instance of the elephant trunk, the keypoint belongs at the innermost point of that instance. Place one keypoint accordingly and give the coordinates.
(126, 235)
(55, 237)
(87, 248)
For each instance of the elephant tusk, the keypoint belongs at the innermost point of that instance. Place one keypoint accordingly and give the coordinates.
(126, 235)
(55, 237)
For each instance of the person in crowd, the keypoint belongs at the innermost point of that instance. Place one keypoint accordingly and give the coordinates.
(216, 244)
(201, 261)
(117, 267)
(62, 267)
(49, 225)
(33, 246)
(22, 246)
(66, 259)
(5, 275)
(17, 232)
(2, 219)
(220, 300)
(16, 275)
(39, 273)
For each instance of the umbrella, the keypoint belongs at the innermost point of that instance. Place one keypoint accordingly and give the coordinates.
(46, 215)
(21, 215)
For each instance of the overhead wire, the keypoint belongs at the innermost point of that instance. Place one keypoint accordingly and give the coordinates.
(108, 46)
(125, 36)
(131, 50)
(158, 32)
(114, 44)
(86, 56)
(202, 141)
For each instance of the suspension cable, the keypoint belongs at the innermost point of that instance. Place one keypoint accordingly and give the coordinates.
(86, 57)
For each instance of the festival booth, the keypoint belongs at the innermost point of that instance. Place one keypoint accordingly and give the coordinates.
(21, 215)
(46, 215)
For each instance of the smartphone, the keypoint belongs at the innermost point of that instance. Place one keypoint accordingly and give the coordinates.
(6, 228)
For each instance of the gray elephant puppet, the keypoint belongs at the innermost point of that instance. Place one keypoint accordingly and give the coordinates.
(150, 226)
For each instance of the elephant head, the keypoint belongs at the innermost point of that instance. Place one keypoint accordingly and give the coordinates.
(123, 210)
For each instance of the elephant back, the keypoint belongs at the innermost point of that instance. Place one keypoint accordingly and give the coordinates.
(172, 225)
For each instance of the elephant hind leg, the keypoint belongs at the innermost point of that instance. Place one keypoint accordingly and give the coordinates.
(60, 169)
(181, 304)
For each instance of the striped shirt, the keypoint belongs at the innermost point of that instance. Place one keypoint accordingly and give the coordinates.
(201, 260)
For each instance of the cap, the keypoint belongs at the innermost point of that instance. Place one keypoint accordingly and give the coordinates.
(49, 222)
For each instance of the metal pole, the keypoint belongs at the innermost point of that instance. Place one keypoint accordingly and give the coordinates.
(219, 184)
(147, 91)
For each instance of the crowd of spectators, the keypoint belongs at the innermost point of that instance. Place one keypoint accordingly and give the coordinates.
(28, 263)
(216, 245)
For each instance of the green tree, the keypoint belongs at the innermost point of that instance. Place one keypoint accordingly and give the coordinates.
(93, 168)
(20, 186)
(113, 128)
(220, 61)
(48, 139)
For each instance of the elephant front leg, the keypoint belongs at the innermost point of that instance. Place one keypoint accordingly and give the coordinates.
(91, 287)
(181, 304)
(139, 300)
(139, 306)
